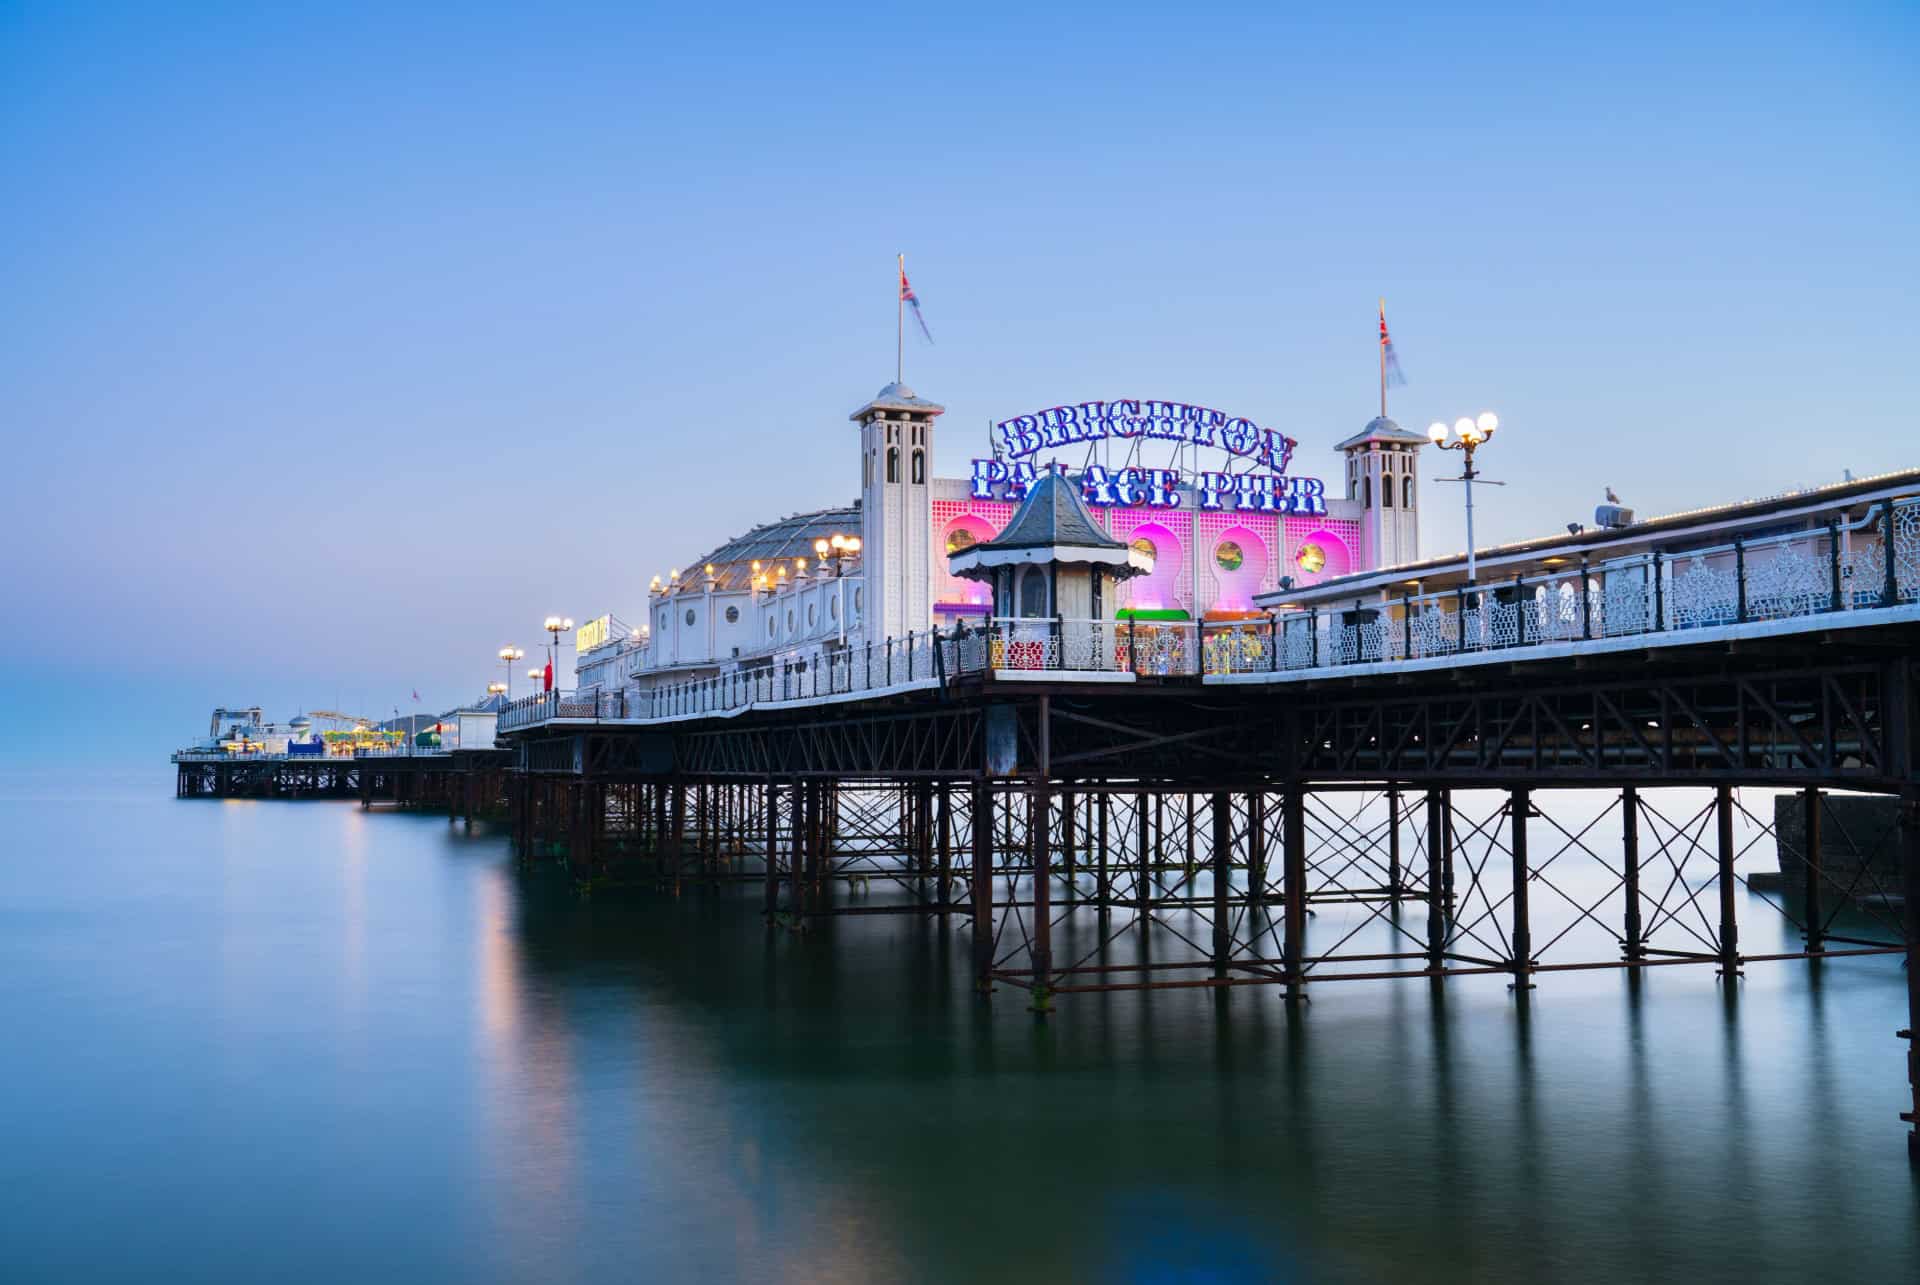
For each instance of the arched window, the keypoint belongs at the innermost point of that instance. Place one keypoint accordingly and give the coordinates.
(1033, 593)
(1406, 493)
(893, 464)
(1366, 492)
(919, 467)
(1386, 492)
(866, 469)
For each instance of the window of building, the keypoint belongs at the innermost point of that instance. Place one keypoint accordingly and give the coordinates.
(789, 621)
(1366, 492)
(1229, 556)
(833, 608)
(859, 600)
(1386, 492)
(960, 538)
(769, 628)
(813, 614)
(919, 467)
(893, 464)
(1311, 558)
(733, 615)
(1033, 593)
(1406, 493)
(689, 617)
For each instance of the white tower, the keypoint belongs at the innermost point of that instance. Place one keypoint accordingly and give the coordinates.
(1383, 474)
(896, 511)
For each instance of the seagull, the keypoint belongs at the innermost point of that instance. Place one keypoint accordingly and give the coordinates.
(1611, 497)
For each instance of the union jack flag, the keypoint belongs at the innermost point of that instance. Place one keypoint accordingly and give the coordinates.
(908, 297)
(1390, 363)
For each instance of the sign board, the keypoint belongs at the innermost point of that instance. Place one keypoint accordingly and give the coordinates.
(1267, 490)
(593, 633)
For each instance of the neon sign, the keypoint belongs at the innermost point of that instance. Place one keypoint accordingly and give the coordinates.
(1176, 422)
(1148, 420)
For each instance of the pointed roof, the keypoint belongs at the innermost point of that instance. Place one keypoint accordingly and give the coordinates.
(1053, 524)
(1053, 515)
(1381, 429)
(897, 396)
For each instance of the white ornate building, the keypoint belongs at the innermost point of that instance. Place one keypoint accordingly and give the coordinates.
(1215, 540)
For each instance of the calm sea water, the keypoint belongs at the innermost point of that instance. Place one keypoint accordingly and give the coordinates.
(296, 1042)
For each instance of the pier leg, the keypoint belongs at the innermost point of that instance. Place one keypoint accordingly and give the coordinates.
(1069, 836)
(1436, 882)
(1729, 927)
(1393, 845)
(923, 828)
(1256, 854)
(1447, 846)
(770, 890)
(1222, 880)
(943, 816)
(797, 814)
(981, 813)
(1142, 883)
(1910, 860)
(1815, 916)
(1293, 843)
(1039, 805)
(1102, 805)
(1635, 946)
(1519, 805)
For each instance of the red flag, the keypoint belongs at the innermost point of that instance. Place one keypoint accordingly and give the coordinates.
(912, 300)
(1389, 360)
(549, 676)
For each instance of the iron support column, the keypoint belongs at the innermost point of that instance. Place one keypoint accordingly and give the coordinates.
(1222, 879)
(1815, 917)
(1910, 861)
(1519, 805)
(1436, 881)
(1393, 845)
(1729, 927)
(1636, 947)
(981, 813)
(1293, 839)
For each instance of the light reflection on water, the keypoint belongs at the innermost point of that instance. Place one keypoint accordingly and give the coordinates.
(294, 1041)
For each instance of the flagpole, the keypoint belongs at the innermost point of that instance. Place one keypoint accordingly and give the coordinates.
(1383, 359)
(900, 327)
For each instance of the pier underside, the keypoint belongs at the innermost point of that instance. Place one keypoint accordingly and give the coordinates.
(1559, 815)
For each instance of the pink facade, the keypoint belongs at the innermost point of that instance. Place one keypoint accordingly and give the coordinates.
(1238, 554)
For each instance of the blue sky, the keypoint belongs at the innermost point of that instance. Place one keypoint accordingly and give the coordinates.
(342, 346)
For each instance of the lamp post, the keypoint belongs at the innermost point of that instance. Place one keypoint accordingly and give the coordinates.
(497, 689)
(507, 656)
(555, 626)
(1468, 434)
(837, 548)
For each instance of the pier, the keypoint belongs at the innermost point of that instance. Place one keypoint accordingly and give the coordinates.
(1407, 751)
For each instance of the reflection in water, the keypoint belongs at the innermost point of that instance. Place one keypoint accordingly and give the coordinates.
(479, 1077)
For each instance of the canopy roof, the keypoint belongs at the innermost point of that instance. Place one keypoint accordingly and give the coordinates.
(1053, 524)
(770, 545)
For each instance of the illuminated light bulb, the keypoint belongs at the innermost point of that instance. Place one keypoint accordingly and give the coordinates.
(1436, 432)
(1487, 422)
(1466, 429)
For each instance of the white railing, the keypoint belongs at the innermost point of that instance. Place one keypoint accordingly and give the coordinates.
(1842, 567)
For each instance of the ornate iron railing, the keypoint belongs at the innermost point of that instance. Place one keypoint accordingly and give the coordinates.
(1842, 567)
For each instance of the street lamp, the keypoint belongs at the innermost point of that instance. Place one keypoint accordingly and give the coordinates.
(1468, 434)
(557, 625)
(838, 548)
(507, 656)
(496, 689)
(534, 674)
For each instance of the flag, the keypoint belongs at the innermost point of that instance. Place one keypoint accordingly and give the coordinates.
(416, 694)
(1389, 363)
(908, 297)
(549, 678)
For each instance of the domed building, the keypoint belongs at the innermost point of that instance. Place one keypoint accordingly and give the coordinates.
(1193, 513)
